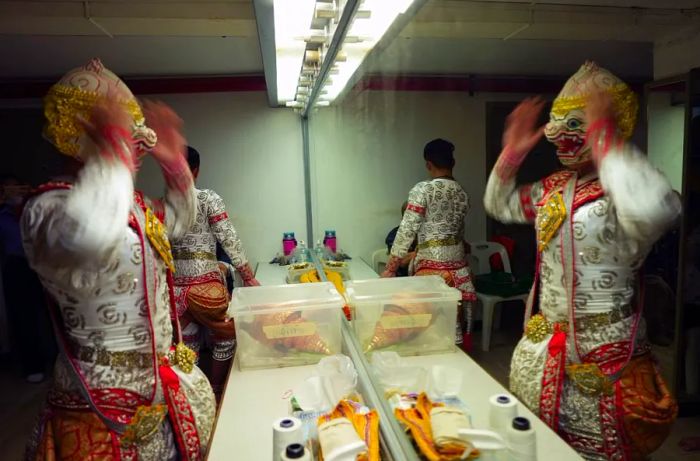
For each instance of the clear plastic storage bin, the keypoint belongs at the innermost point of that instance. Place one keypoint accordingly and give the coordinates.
(409, 315)
(286, 325)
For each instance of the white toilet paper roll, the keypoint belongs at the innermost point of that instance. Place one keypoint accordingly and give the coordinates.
(285, 431)
(502, 409)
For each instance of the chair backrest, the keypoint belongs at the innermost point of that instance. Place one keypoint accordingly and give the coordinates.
(481, 253)
(379, 260)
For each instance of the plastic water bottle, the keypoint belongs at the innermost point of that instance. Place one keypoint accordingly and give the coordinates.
(289, 243)
(330, 241)
(301, 254)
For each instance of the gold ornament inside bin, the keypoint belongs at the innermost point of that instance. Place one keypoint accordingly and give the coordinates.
(288, 331)
(399, 323)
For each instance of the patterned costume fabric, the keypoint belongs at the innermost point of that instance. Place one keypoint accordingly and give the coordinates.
(100, 253)
(200, 288)
(435, 215)
(615, 216)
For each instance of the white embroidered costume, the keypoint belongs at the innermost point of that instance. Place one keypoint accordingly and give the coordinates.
(435, 216)
(100, 252)
(574, 366)
(197, 271)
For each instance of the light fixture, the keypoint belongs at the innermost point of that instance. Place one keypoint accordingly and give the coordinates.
(310, 32)
(292, 20)
(364, 33)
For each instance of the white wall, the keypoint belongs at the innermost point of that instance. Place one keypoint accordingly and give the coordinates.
(676, 58)
(665, 137)
(252, 156)
(368, 153)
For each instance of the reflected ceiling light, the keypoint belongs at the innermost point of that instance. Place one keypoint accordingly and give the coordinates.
(304, 30)
(363, 35)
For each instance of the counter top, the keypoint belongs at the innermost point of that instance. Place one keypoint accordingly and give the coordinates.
(254, 399)
(274, 274)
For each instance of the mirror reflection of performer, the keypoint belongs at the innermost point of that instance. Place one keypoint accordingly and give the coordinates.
(435, 218)
(584, 365)
(121, 388)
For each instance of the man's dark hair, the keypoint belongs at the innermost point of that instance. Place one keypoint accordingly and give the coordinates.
(440, 152)
(192, 158)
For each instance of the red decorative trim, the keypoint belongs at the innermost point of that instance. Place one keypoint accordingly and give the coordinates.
(529, 209)
(583, 444)
(440, 266)
(608, 356)
(416, 209)
(585, 192)
(219, 217)
(611, 426)
(247, 275)
(553, 379)
(181, 415)
(167, 85)
(183, 281)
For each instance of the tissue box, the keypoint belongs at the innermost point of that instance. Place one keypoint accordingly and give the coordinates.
(408, 315)
(287, 325)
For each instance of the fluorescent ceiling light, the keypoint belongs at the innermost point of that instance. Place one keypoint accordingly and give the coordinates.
(369, 30)
(292, 23)
(299, 23)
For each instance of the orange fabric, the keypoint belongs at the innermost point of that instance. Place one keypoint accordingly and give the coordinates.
(417, 420)
(445, 274)
(366, 426)
(649, 409)
(207, 303)
(75, 436)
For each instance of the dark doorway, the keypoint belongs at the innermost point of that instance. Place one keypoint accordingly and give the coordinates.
(539, 163)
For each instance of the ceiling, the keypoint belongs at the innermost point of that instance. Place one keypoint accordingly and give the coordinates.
(44, 38)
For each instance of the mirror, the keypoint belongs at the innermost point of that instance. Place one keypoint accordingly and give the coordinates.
(455, 71)
(665, 123)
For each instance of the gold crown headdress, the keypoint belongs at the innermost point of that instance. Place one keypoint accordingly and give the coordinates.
(76, 94)
(590, 78)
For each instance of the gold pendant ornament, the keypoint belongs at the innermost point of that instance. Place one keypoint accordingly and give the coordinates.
(155, 231)
(590, 379)
(184, 357)
(549, 219)
(144, 424)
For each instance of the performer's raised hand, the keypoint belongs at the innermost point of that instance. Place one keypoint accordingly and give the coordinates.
(168, 127)
(109, 127)
(521, 132)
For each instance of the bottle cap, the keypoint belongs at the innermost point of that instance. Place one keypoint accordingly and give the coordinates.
(286, 423)
(295, 451)
(503, 399)
(521, 424)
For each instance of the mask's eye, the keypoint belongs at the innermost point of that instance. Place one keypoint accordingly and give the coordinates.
(573, 124)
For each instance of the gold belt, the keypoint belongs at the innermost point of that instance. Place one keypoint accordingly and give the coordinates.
(205, 255)
(103, 357)
(538, 327)
(439, 243)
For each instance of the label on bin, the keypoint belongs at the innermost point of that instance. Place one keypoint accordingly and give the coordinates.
(393, 322)
(289, 330)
